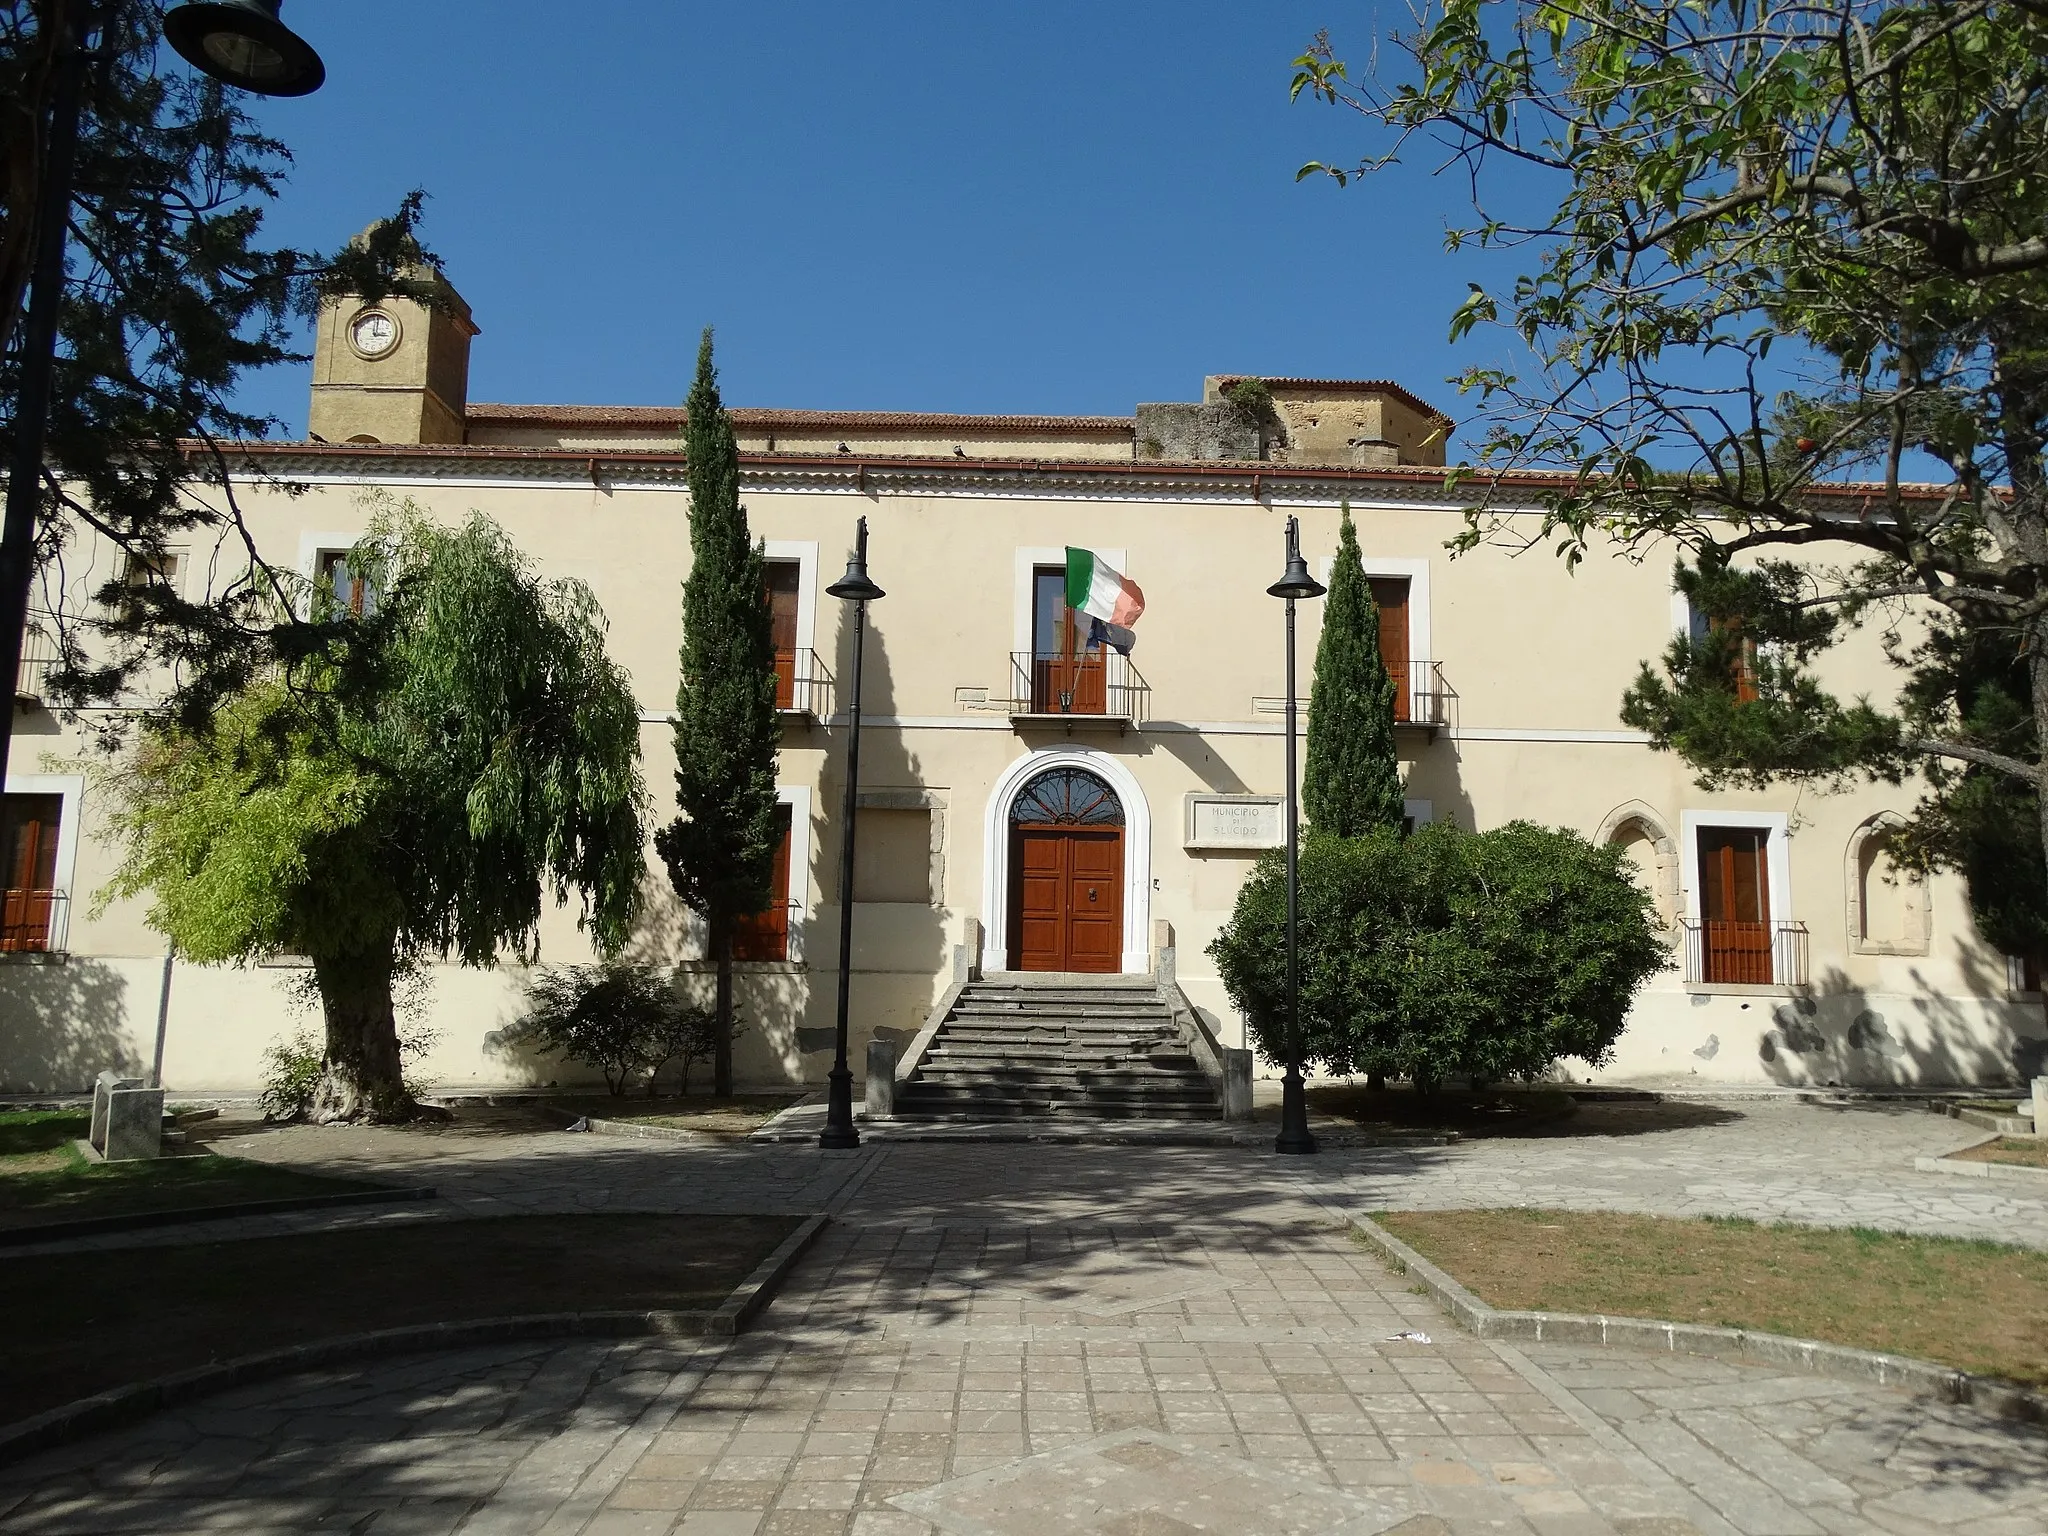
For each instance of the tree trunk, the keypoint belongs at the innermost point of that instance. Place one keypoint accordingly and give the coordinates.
(360, 1077)
(1375, 1082)
(721, 1056)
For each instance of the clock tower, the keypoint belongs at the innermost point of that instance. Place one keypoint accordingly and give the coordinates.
(392, 371)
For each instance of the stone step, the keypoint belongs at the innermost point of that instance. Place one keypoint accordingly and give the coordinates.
(1035, 1108)
(924, 1092)
(1074, 979)
(1055, 1060)
(1075, 1077)
(1060, 1040)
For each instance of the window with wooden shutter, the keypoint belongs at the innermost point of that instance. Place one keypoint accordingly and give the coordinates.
(29, 825)
(1390, 596)
(1735, 900)
(765, 935)
(783, 578)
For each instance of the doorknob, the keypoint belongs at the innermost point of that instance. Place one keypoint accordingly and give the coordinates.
(1091, 893)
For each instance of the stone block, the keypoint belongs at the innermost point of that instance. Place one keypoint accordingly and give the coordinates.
(1237, 1084)
(1215, 430)
(103, 1086)
(135, 1124)
(881, 1084)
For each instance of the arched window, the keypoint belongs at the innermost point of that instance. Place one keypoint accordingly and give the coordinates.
(1641, 834)
(1888, 911)
(1067, 797)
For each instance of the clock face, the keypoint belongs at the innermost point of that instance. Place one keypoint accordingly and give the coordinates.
(373, 332)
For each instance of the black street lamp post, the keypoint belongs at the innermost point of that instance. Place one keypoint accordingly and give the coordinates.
(1295, 1136)
(855, 588)
(239, 42)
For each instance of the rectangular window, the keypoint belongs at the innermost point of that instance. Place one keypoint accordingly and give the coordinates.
(1390, 596)
(1066, 677)
(1700, 628)
(163, 569)
(29, 825)
(892, 857)
(765, 935)
(783, 579)
(349, 591)
(1735, 902)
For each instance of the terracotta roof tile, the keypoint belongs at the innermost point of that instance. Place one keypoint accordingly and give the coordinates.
(645, 418)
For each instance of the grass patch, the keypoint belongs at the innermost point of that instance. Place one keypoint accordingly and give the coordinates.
(1990, 1106)
(1979, 1306)
(39, 1130)
(44, 1178)
(82, 1323)
(2024, 1152)
(1398, 1111)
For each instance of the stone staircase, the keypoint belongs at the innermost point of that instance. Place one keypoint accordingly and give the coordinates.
(1032, 1045)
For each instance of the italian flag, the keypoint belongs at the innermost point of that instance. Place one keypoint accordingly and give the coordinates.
(1110, 599)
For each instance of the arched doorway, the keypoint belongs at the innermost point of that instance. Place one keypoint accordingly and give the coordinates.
(1066, 839)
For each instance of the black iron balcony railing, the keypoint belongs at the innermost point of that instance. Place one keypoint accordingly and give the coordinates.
(34, 921)
(802, 685)
(1746, 954)
(1429, 700)
(38, 655)
(1099, 684)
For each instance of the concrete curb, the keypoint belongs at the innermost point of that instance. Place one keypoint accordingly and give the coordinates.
(637, 1130)
(2009, 1173)
(136, 1221)
(124, 1405)
(2004, 1398)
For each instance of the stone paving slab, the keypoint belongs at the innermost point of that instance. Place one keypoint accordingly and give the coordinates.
(1087, 1339)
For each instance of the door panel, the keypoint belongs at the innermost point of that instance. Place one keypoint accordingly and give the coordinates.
(765, 935)
(1390, 596)
(783, 576)
(1095, 926)
(1067, 899)
(1041, 865)
(28, 868)
(1735, 895)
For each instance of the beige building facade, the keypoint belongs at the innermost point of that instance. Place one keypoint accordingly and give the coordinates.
(1798, 956)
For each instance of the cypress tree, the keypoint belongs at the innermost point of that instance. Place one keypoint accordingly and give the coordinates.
(720, 850)
(1351, 778)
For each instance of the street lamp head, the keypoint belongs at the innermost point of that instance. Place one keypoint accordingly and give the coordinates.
(1297, 582)
(243, 44)
(854, 586)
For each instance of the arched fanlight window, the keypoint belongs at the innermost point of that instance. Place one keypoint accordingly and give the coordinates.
(1067, 797)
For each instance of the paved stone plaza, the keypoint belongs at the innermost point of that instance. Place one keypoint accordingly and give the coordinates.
(1150, 1341)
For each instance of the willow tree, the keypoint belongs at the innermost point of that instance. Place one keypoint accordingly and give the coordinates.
(720, 851)
(1351, 778)
(468, 752)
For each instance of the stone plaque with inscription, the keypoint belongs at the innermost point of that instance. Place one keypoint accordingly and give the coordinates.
(1235, 822)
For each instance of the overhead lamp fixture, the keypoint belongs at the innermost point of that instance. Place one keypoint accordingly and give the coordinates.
(243, 44)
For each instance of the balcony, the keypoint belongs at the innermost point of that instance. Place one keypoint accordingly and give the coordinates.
(34, 922)
(802, 685)
(38, 655)
(1097, 689)
(1428, 703)
(1745, 954)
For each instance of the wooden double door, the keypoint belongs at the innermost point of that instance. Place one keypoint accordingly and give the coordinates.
(1067, 898)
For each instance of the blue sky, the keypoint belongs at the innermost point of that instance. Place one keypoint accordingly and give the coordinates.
(1054, 207)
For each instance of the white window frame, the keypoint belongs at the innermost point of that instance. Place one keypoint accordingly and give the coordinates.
(1419, 618)
(1029, 558)
(71, 786)
(804, 552)
(1777, 857)
(314, 544)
